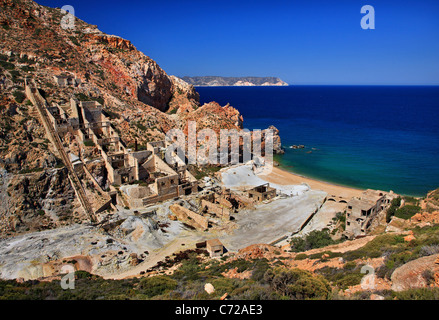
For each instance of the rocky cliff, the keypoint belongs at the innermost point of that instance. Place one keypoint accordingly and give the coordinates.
(141, 99)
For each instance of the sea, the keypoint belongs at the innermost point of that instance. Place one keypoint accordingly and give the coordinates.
(378, 137)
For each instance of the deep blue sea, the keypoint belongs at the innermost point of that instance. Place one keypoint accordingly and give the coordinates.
(380, 137)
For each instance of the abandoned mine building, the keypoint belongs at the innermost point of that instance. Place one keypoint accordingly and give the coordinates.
(215, 248)
(361, 211)
(159, 181)
(262, 193)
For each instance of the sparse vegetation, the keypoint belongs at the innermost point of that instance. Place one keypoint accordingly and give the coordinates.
(407, 211)
(315, 239)
(19, 96)
(394, 205)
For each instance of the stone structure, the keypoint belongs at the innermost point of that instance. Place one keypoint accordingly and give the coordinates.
(361, 211)
(262, 193)
(215, 248)
(196, 220)
(64, 81)
(160, 182)
(216, 209)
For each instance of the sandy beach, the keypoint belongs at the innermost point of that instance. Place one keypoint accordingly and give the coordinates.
(283, 177)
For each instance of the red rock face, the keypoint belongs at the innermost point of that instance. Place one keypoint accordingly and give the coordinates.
(214, 116)
(112, 41)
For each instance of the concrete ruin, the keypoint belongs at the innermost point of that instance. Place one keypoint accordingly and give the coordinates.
(361, 211)
(188, 216)
(215, 248)
(158, 181)
(216, 209)
(67, 80)
(262, 193)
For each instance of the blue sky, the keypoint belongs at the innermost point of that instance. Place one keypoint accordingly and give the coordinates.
(302, 42)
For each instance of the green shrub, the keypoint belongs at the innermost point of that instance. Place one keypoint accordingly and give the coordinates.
(417, 294)
(315, 239)
(349, 275)
(412, 200)
(155, 286)
(141, 126)
(26, 171)
(375, 248)
(224, 285)
(297, 284)
(27, 69)
(259, 267)
(407, 211)
(189, 269)
(301, 256)
(7, 65)
(74, 40)
(19, 96)
(394, 205)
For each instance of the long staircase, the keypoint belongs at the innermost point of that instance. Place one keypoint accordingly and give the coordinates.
(40, 103)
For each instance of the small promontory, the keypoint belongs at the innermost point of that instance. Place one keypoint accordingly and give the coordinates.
(215, 81)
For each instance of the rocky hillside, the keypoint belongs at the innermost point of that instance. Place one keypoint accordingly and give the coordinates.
(141, 99)
(234, 81)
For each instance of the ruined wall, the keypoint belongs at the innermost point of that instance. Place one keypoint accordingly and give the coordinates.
(216, 209)
(182, 213)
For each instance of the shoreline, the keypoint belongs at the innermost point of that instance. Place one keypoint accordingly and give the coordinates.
(282, 176)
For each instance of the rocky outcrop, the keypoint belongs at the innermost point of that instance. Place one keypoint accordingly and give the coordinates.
(189, 217)
(277, 145)
(112, 41)
(412, 274)
(185, 98)
(212, 115)
(38, 201)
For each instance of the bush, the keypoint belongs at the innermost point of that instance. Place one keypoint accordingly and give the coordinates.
(74, 40)
(412, 200)
(173, 111)
(297, 284)
(19, 96)
(375, 248)
(429, 250)
(80, 274)
(417, 294)
(141, 126)
(260, 266)
(189, 269)
(7, 65)
(407, 211)
(301, 256)
(350, 275)
(394, 205)
(315, 239)
(224, 285)
(155, 286)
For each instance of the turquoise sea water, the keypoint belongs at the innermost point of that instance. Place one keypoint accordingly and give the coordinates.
(380, 137)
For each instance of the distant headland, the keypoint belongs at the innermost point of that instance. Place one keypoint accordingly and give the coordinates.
(216, 81)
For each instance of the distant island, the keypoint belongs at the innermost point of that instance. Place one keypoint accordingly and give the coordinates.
(215, 81)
